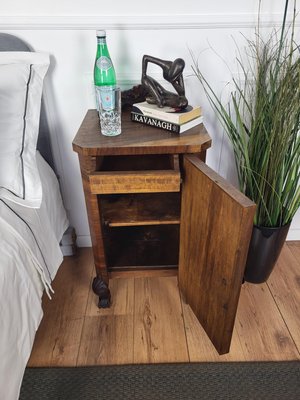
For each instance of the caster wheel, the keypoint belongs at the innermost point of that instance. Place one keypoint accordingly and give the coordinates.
(104, 303)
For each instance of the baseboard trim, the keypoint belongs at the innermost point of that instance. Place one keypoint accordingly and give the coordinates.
(84, 241)
(294, 234)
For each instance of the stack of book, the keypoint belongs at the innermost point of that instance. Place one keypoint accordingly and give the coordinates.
(167, 118)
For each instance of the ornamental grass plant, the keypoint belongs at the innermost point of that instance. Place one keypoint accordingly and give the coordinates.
(262, 121)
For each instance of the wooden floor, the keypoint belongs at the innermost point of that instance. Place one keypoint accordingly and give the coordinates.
(148, 322)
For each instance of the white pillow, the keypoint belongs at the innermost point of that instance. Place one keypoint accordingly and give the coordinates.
(21, 84)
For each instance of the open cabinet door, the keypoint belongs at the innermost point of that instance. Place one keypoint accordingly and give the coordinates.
(215, 231)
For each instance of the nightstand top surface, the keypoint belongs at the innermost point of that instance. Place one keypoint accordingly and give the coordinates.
(137, 138)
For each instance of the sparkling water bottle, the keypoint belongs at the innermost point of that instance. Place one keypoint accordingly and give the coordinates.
(104, 72)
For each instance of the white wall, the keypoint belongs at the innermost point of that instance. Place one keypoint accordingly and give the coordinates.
(66, 30)
(136, 7)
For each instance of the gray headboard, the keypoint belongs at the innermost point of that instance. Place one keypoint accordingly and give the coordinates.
(13, 43)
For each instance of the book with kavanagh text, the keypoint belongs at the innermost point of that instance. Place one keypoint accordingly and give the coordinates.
(168, 113)
(166, 125)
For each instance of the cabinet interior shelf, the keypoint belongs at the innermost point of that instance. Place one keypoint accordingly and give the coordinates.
(139, 247)
(141, 209)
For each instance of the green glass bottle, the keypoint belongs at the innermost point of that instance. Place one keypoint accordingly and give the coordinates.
(104, 72)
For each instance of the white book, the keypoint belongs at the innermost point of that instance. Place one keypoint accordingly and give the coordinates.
(168, 113)
(165, 125)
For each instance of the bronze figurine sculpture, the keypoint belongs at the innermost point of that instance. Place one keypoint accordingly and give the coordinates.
(172, 72)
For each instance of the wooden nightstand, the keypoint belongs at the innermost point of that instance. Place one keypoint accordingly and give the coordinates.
(153, 203)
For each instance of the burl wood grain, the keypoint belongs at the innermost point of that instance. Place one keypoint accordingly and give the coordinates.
(141, 160)
(216, 224)
(134, 182)
(88, 165)
(137, 139)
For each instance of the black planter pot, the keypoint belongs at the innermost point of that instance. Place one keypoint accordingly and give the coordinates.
(265, 247)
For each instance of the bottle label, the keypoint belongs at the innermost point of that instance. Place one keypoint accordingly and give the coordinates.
(104, 63)
(107, 99)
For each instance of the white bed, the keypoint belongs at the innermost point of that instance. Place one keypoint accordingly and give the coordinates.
(32, 216)
(29, 259)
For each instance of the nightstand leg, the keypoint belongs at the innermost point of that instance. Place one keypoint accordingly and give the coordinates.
(100, 282)
(100, 288)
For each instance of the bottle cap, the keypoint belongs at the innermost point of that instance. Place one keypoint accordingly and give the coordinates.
(100, 33)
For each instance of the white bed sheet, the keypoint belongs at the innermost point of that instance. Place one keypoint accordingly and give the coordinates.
(29, 259)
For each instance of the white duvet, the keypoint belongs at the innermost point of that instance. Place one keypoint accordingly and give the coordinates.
(29, 259)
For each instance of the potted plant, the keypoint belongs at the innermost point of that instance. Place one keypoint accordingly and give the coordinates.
(262, 122)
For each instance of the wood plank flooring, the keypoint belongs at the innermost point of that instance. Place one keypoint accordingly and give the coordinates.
(149, 322)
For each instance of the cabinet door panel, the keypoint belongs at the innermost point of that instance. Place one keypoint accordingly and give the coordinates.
(216, 226)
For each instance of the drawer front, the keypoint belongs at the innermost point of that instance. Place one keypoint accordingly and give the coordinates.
(135, 182)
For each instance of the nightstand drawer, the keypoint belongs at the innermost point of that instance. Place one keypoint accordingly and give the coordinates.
(125, 175)
(134, 182)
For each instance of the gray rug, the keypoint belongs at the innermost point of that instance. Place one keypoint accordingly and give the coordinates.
(207, 381)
